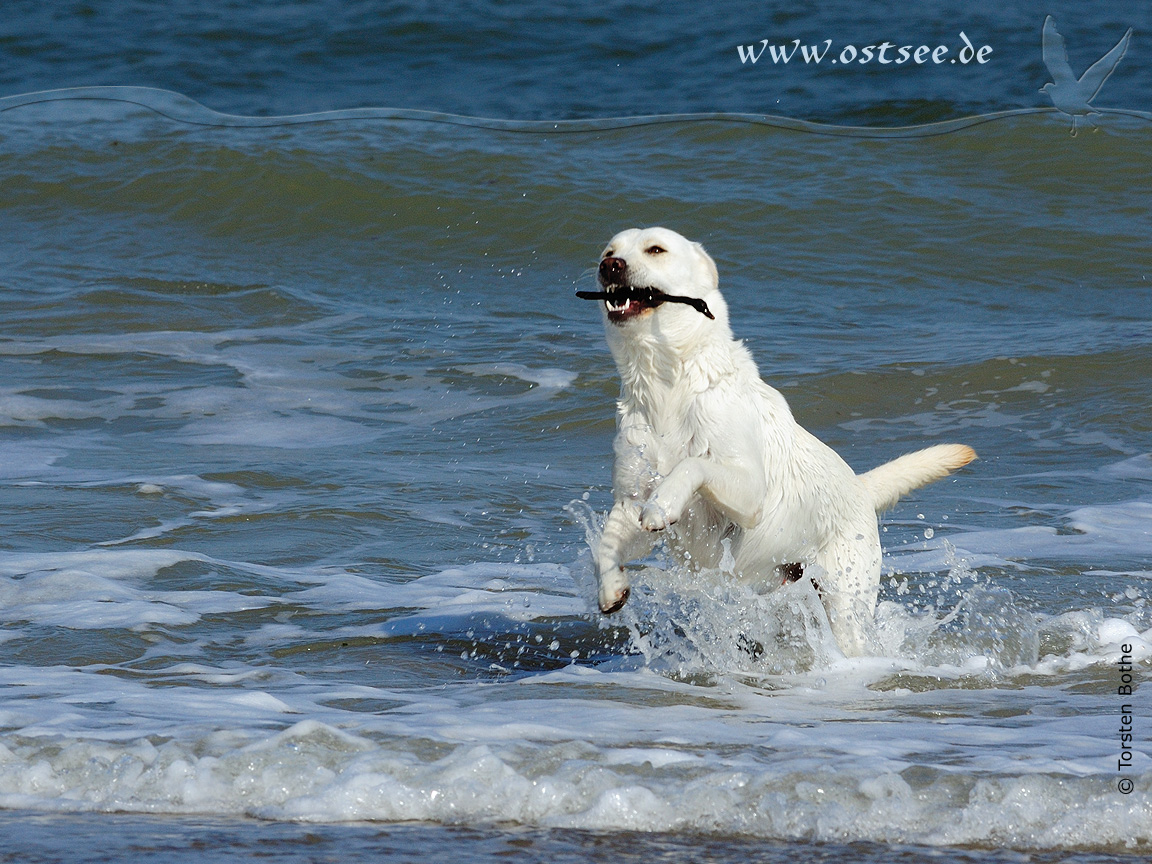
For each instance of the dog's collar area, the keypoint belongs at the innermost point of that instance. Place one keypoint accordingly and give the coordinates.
(651, 297)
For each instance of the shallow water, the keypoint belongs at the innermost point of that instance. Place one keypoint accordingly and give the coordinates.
(304, 438)
(116, 837)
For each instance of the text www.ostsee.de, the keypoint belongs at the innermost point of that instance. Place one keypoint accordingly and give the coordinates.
(881, 54)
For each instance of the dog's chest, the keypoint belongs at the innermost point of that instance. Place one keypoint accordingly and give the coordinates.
(668, 434)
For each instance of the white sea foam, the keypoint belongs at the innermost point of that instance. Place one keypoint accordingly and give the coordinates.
(1121, 529)
(566, 761)
(550, 378)
(284, 397)
(619, 747)
(102, 590)
(668, 739)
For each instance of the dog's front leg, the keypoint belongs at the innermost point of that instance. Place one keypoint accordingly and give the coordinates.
(623, 540)
(735, 489)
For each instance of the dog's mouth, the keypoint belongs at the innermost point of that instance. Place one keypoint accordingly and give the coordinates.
(624, 302)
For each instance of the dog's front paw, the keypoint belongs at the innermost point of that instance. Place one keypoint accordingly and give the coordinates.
(615, 602)
(614, 590)
(668, 503)
(655, 517)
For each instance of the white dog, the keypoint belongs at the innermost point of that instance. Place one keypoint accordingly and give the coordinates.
(704, 443)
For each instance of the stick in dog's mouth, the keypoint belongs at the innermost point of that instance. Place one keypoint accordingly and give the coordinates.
(621, 295)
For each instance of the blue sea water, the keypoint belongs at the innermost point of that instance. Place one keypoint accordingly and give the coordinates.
(304, 435)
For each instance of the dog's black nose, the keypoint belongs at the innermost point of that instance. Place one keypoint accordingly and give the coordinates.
(612, 271)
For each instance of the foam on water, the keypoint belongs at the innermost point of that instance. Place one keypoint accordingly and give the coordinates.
(730, 710)
(282, 396)
(550, 378)
(88, 591)
(1123, 528)
(760, 764)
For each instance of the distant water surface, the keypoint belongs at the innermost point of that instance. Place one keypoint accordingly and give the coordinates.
(304, 437)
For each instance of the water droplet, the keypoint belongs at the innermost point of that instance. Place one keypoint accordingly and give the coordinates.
(929, 533)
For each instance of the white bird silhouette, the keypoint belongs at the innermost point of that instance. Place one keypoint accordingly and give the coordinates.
(1069, 94)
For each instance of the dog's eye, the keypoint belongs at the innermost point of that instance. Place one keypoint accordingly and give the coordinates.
(608, 253)
(655, 250)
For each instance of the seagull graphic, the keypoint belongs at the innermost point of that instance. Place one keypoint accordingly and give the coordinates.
(1068, 94)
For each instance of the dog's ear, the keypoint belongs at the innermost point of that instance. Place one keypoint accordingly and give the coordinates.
(709, 266)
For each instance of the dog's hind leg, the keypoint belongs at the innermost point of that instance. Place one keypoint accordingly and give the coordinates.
(849, 580)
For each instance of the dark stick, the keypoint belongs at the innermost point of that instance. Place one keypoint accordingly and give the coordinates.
(651, 296)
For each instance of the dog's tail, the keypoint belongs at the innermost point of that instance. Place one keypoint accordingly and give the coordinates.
(887, 483)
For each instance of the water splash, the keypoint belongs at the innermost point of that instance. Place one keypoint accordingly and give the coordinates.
(938, 629)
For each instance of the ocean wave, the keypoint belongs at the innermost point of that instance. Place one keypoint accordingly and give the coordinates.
(181, 109)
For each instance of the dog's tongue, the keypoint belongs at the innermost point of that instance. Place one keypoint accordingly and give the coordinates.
(647, 297)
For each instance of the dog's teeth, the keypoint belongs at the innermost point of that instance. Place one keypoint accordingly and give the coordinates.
(614, 305)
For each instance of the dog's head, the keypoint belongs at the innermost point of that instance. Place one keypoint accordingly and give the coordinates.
(647, 272)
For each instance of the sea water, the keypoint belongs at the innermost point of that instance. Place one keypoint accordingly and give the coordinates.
(305, 441)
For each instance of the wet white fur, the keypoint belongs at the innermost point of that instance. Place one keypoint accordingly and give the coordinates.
(703, 443)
